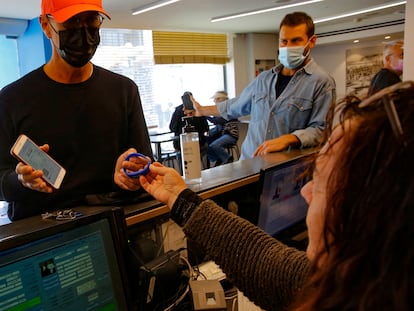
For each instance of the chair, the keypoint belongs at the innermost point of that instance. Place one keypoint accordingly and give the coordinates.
(171, 157)
(205, 163)
(234, 151)
(168, 158)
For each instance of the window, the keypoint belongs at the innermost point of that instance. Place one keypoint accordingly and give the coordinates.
(130, 53)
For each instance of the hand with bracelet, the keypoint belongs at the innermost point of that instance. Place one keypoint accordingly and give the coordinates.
(129, 166)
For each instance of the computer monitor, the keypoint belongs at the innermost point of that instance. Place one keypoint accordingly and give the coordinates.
(73, 265)
(281, 204)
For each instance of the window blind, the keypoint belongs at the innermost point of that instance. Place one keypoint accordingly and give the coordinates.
(189, 47)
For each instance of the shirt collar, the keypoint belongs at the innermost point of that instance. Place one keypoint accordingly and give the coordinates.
(309, 68)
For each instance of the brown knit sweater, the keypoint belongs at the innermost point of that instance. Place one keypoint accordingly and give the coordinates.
(268, 272)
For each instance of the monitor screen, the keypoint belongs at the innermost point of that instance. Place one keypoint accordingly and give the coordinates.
(71, 269)
(281, 204)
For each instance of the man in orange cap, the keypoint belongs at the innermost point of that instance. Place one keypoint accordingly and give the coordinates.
(90, 117)
(64, 9)
(73, 28)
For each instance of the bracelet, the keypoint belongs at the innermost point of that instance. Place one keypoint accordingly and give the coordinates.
(140, 172)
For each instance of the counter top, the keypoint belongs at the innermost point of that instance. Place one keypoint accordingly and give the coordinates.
(214, 181)
(218, 180)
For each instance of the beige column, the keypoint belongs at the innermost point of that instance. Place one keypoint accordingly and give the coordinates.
(409, 41)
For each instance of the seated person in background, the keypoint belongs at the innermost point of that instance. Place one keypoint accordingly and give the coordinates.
(359, 219)
(228, 135)
(200, 123)
(215, 131)
(393, 67)
(223, 134)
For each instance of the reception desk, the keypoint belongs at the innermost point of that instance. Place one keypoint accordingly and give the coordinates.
(146, 220)
(217, 181)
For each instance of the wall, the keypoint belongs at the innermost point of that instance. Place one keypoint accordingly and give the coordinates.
(333, 59)
(8, 61)
(240, 59)
(34, 41)
(330, 53)
(246, 49)
(229, 70)
(32, 51)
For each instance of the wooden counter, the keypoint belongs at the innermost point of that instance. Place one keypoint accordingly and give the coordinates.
(216, 181)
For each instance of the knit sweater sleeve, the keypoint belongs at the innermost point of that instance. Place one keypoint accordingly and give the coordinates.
(268, 272)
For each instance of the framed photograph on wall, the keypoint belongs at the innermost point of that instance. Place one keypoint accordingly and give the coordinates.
(361, 65)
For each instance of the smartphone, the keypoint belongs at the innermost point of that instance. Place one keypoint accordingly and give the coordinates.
(26, 151)
(188, 104)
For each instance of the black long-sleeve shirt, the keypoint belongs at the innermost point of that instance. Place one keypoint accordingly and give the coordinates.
(87, 125)
(382, 79)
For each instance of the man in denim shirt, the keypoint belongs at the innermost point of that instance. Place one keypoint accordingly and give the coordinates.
(288, 103)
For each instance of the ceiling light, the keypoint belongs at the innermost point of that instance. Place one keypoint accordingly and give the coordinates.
(367, 10)
(152, 6)
(260, 11)
(387, 37)
(356, 41)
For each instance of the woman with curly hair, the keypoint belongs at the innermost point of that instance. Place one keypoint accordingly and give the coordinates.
(360, 218)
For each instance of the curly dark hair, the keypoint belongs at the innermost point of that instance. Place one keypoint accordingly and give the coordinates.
(299, 18)
(370, 212)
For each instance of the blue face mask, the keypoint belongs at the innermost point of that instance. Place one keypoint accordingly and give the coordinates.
(292, 57)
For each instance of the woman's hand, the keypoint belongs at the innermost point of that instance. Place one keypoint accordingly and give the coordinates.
(163, 183)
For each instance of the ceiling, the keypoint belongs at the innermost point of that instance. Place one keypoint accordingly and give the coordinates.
(195, 15)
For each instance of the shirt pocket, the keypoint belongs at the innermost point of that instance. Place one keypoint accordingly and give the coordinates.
(299, 111)
(260, 107)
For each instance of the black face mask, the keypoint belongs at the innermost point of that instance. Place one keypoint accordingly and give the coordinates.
(78, 45)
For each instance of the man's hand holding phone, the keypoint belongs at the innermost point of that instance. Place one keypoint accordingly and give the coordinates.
(36, 169)
(193, 107)
(31, 178)
(186, 98)
(197, 108)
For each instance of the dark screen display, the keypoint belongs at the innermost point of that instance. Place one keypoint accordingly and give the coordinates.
(71, 270)
(281, 204)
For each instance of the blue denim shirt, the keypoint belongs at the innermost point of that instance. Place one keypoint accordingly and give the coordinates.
(300, 109)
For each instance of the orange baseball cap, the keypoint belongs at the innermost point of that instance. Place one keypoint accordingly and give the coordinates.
(62, 10)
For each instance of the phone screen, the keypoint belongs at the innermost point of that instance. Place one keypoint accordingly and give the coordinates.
(31, 154)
